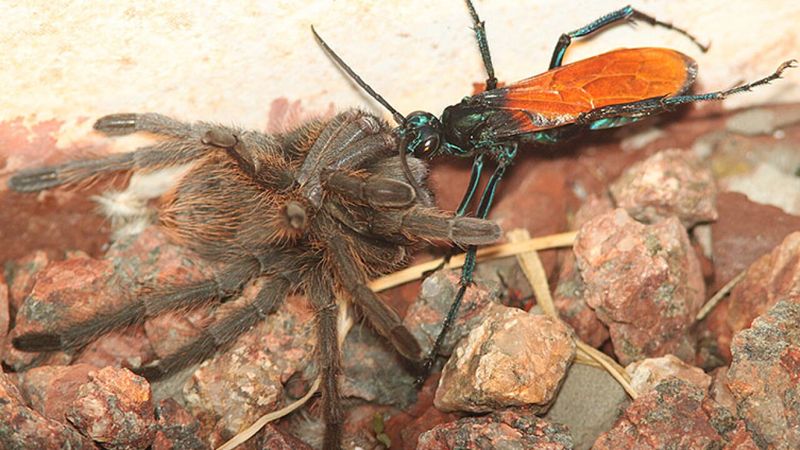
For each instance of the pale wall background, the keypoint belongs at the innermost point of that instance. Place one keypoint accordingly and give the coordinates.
(227, 60)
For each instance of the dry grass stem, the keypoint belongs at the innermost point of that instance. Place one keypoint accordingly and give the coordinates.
(486, 253)
(722, 293)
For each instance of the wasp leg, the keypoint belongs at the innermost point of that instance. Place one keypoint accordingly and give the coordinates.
(721, 95)
(469, 262)
(221, 333)
(626, 13)
(616, 115)
(483, 45)
(472, 186)
(169, 298)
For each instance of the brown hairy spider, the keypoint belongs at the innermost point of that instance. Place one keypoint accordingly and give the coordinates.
(319, 209)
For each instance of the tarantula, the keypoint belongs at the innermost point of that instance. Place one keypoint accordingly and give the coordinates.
(319, 209)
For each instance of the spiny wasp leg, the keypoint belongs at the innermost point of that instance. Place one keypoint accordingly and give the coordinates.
(622, 14)
(721, 95)
(610, 115)
(487, 198)
(483, 45)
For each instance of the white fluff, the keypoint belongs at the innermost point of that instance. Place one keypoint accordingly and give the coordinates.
(129, 210)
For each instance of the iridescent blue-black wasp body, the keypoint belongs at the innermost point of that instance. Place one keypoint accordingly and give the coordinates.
(604, 91)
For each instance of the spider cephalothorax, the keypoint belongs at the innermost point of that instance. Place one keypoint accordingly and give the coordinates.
(318, 209)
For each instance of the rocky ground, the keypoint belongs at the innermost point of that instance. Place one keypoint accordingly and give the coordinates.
(667, 213)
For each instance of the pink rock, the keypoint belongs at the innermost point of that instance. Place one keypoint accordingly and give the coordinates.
(410, 433)
(510, 429)
(23, 276)
(127, 348)
(150, 258)
(569, 296)
(669, 183)
(424, 318)
(51, 221)
(65, 291)
(4, 313)
(740, 235)
(570, 302)
(644, 282)
(676, 414)
(374, 372)
(404, 428)
(511, 359)
(235, 387)
(177, 429)
(23, 427)
(52, 390)
(719, 389)
(273, 438)
(115, 409)
(768, 279)
(648, 373)
(764, 376)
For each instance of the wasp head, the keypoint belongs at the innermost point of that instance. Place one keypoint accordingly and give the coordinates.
(421, 134)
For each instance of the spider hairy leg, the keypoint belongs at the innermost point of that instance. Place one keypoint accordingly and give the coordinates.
(42, 178)
(126, 123)
(169, 298)
(164, 154)
(327, 203)
(385, 320)
(377, 192)
(433, 225)
(188, 143)
(220, 333)
(321, 296)
(366, 139)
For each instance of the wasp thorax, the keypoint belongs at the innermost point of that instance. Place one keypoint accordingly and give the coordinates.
(423, 133)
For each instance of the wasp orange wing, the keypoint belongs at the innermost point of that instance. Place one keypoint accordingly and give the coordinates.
(557, 97)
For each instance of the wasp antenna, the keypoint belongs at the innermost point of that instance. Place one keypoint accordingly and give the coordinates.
(399, 118)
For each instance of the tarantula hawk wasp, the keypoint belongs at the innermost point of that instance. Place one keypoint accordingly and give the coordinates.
(605, 91)
(318, 209)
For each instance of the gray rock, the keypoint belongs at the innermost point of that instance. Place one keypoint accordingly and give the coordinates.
(589, 403)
